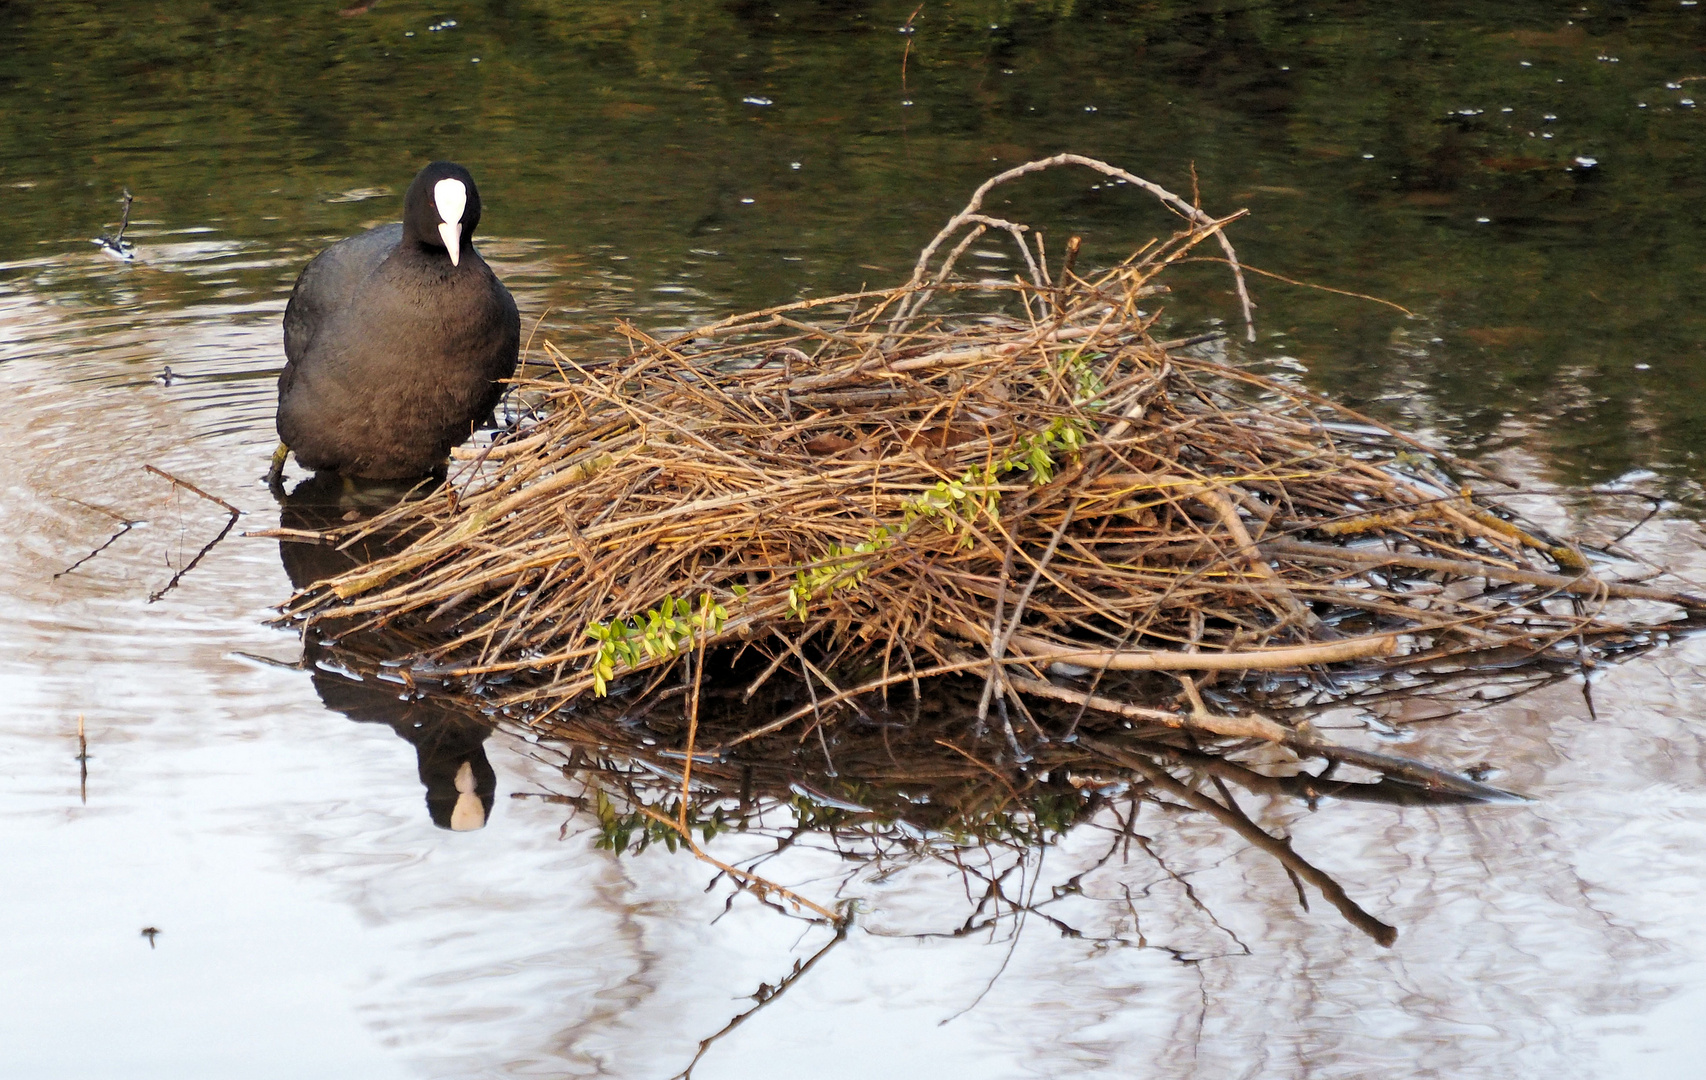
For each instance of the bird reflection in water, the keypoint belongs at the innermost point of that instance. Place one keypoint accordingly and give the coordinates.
(449, 742)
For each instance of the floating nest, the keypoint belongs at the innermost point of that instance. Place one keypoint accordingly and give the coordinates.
(1017, 485)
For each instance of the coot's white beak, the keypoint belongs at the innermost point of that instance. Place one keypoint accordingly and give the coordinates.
(452, 233)
(450, 197)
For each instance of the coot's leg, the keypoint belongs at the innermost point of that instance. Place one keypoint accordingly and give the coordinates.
(275, 473)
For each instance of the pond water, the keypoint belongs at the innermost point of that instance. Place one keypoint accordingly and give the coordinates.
(1526, 178)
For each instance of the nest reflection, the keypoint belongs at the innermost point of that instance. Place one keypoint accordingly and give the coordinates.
(916, 779)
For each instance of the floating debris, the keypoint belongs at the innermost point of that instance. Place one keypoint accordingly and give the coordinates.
(116, 245)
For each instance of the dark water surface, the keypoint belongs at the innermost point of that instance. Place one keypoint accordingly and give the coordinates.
(1527, 178)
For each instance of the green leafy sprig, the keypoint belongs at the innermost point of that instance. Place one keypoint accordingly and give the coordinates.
(664, 631)
(638, 830)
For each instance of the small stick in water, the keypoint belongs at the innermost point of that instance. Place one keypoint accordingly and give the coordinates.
(232, 510)
(124, 219)
(82, 762)
(116, 245)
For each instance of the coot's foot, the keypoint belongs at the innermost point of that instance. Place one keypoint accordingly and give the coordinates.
(275, 472)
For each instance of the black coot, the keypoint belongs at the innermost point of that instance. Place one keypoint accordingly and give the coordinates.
(394, 340)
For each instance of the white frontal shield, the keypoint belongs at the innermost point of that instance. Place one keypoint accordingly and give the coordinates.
(451, 198)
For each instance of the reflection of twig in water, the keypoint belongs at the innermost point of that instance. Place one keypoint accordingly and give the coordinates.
(1654, 506)
(759, 885)
(1234, 819)
(992, 893)
(125, 525)
(1021, 910)
(191, 565)
(765, 995)
(1190, 894)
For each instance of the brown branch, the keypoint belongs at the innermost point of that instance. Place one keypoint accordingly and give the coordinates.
(1576, 585)
(207, 547)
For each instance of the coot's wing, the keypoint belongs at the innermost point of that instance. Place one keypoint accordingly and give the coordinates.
(329, 281)
(512, 332)
(504, 354)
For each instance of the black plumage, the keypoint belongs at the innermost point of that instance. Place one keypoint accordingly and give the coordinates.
(393, 348)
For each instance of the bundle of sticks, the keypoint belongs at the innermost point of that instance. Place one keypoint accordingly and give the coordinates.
(1013, 480)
